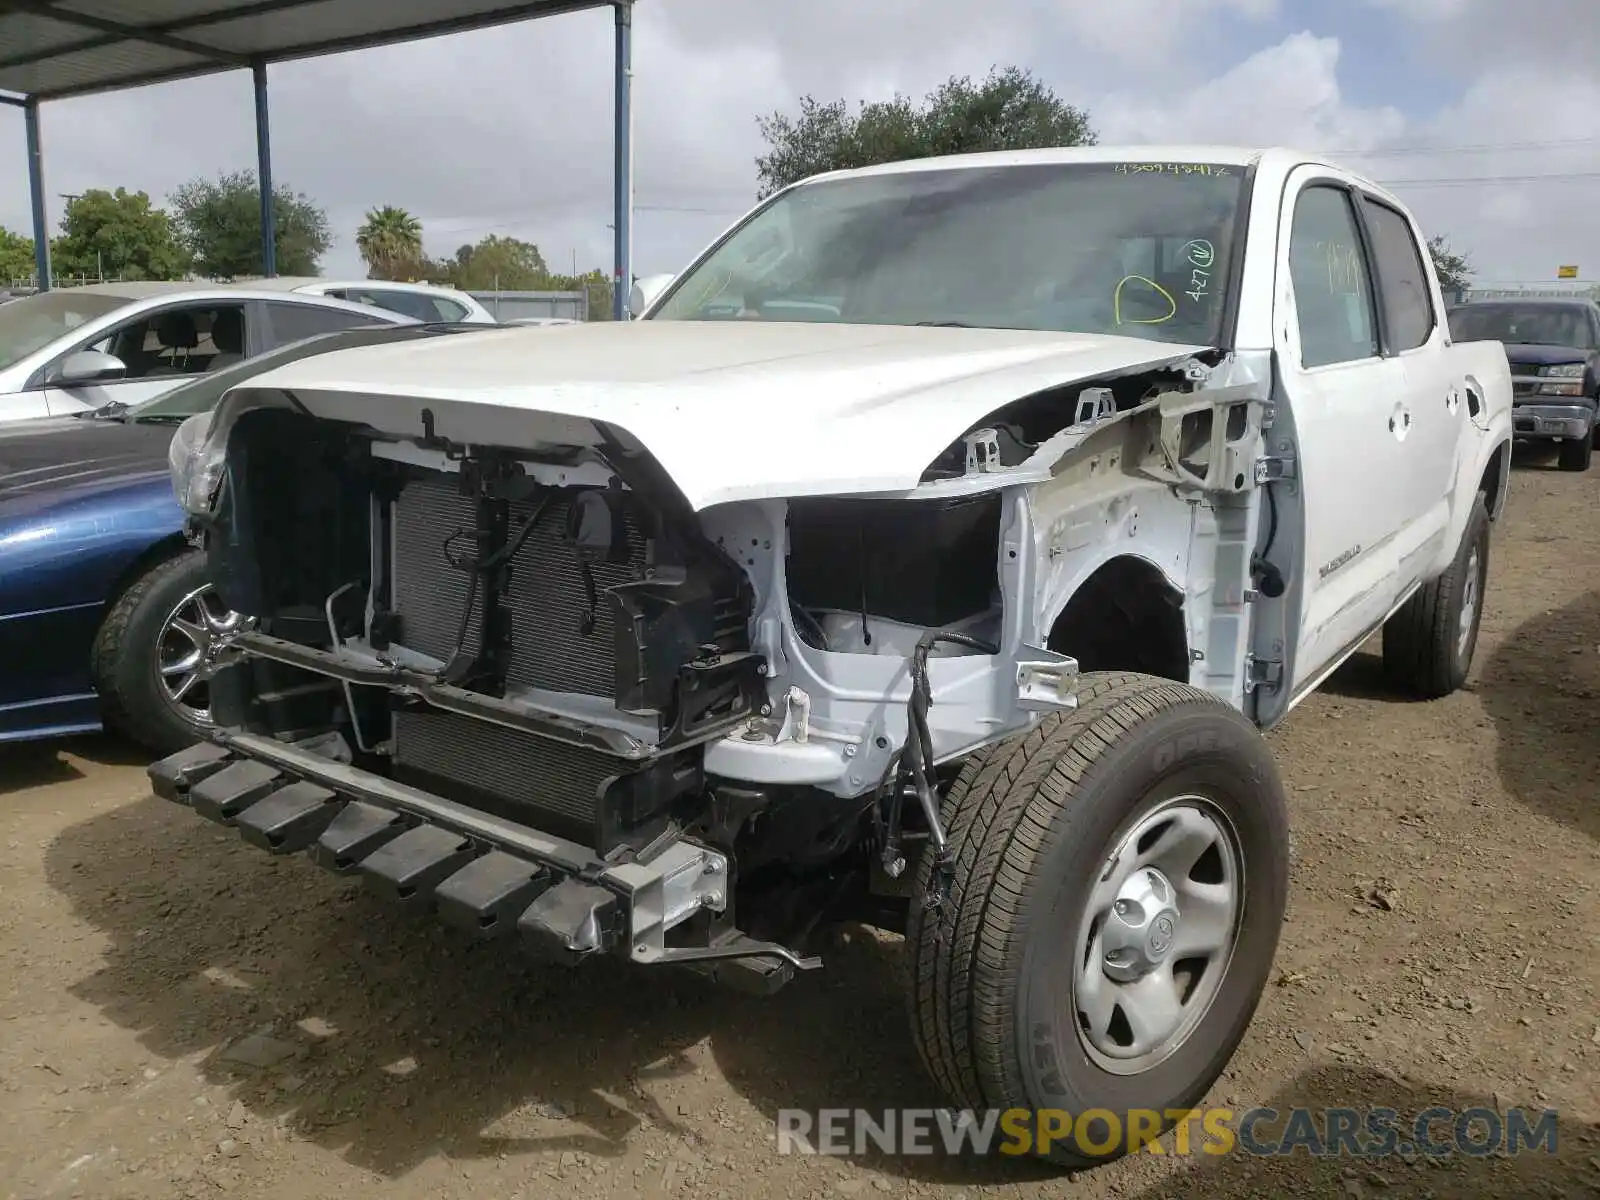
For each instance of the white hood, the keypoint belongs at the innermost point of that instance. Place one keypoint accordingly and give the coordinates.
(731, 410)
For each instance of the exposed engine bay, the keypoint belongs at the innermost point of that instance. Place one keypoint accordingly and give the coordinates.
(765, 699)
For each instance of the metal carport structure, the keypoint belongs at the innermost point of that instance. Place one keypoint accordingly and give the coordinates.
(56, 49)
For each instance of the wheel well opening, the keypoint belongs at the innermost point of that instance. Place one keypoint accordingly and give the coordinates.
(148, 559)
(1493, 483)
(1125, 617)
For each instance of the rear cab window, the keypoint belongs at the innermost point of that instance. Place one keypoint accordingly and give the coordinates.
(1402, 278)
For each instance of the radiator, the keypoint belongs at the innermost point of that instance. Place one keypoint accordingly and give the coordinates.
(523, 777)
(546, 597)
(528, 779)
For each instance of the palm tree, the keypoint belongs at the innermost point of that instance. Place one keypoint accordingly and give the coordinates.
(390, 242)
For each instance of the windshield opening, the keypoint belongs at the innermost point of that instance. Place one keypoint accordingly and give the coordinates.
(1138, 249)
(1524, 324)
(30, 324)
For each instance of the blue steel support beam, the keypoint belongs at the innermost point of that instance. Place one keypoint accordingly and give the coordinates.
(623, 165)
(269, 232)
(41, 225)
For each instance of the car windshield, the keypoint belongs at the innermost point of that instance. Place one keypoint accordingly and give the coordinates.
(1524, 324)
(1141, 249)
(33, 322)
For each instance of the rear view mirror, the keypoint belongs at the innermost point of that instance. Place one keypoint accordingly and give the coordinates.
(86, 367)
(646, 292)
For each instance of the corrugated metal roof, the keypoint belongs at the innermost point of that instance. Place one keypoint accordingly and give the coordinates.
(57, 48)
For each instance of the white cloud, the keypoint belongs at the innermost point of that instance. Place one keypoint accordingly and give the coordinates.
(1155, 31)
(1562, 35)
(1516, 226)
(1515, 120)
(1427, 10)
(1287, 94)
(510, 130)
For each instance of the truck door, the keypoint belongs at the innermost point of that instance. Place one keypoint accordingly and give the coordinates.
(1343, 394)
(1433, 398)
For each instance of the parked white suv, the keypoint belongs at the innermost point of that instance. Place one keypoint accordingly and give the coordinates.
(930, 554)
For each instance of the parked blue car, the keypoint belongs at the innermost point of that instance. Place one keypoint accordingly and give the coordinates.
(105, 612)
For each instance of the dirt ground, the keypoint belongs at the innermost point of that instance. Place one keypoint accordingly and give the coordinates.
(1441, 948)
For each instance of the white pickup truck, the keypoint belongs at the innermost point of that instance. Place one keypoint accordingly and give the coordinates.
(931, 553)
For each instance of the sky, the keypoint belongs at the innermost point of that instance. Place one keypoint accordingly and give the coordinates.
(1481, 114)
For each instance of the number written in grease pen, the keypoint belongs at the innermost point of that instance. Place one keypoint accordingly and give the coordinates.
(1200, 255)
(1214, 170)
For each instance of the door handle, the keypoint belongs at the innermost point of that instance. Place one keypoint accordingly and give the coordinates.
(1400, 422)
(1452, 401)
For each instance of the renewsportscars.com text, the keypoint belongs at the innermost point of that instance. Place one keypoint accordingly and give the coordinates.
(1315, 1132)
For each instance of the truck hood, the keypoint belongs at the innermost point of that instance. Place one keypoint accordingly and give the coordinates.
(1544, 356)
(736, 410)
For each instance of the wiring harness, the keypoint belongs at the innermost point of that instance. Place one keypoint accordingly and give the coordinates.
(912, 766)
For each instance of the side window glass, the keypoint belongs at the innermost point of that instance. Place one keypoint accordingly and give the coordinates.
(415, 305)
(1401, 277)
(1332, 286)
(449, 310)
(178, 341)
(295, 322)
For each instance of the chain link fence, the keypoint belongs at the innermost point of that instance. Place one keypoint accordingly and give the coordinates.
(26, 285)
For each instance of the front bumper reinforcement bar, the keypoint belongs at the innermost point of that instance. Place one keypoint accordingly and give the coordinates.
(484, 874)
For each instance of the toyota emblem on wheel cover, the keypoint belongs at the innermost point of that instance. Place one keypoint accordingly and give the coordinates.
(1161, 930)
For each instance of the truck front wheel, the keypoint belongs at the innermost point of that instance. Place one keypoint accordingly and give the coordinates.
(1120, 882)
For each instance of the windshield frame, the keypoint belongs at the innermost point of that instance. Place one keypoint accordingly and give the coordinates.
(1227, 325)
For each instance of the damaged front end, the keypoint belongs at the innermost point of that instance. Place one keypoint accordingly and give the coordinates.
(531, 688)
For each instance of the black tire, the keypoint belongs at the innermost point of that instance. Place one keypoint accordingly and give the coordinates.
(124, 661)
(1575, 454)
(1032, 823)
(1425, 651)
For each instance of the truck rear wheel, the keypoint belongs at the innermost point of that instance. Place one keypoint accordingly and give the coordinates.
(1120, 882)
(1428, 645)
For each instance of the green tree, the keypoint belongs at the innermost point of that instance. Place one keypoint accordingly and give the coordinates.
(1454, 270)
(1007, 110)
(516, 266)
(219, 223)
(503, 263)
(117, 234)
(16, 257)
(595, 284)
(390, 242)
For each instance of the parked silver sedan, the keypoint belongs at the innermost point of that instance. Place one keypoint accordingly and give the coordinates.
(80, 348)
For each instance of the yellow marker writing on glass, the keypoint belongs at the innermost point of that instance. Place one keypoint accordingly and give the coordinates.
(1116, 302)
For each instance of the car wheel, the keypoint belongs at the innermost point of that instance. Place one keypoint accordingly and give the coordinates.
(1428, 645)
(152, 656)
(1120, 882)
(1575, 454)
